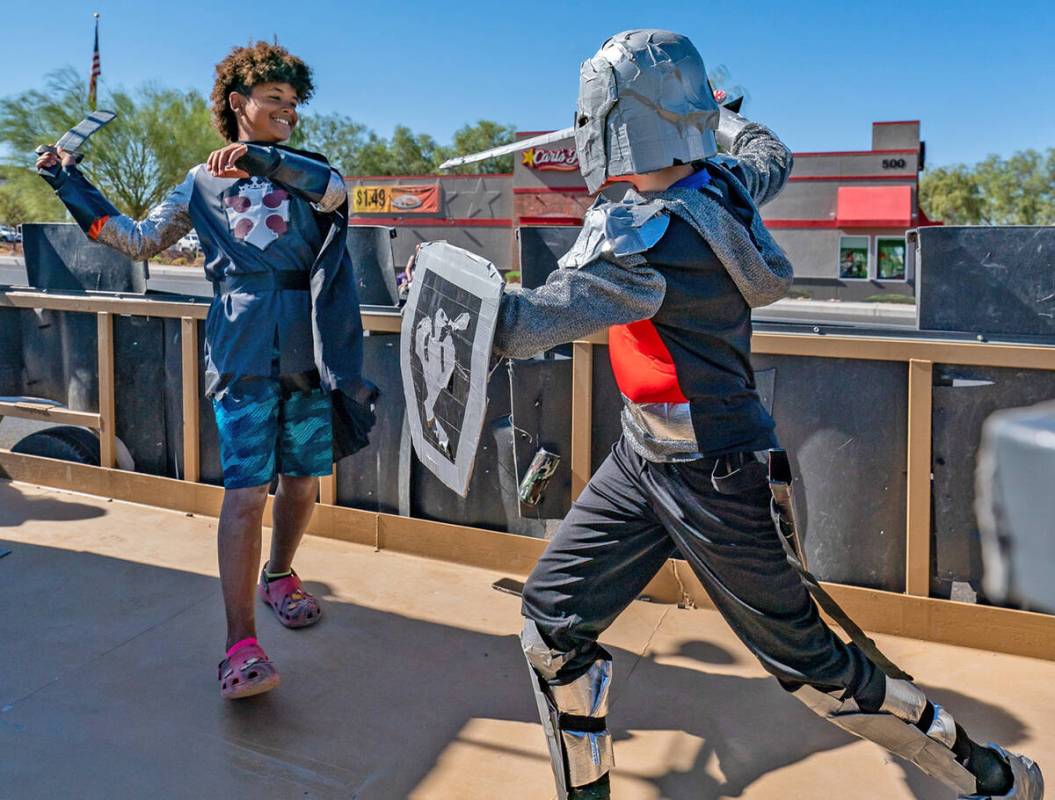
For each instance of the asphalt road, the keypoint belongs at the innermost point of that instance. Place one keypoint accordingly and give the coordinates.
(13, 429)
(191, 281)
(180, 280)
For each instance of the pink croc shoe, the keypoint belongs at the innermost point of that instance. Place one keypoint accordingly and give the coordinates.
(246, 671)
(293, 606)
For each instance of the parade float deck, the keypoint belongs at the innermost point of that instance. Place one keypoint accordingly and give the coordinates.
(413, 684)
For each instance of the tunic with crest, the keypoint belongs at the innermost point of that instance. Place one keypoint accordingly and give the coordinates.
(284, 228)
(261, 237)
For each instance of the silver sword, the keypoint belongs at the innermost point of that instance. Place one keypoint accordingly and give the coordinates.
(76, 136)
(733, 104)
(515, 147)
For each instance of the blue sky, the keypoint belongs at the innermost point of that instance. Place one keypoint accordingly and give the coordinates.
(979, 75)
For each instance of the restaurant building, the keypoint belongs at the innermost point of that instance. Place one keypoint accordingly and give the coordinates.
(841, 219)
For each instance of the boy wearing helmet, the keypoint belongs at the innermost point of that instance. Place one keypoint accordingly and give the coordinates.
(673, 270)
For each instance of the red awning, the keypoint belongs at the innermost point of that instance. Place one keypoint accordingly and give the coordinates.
(874, 207)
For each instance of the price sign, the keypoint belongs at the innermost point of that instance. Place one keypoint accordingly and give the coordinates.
(371, 200)
(396, 199)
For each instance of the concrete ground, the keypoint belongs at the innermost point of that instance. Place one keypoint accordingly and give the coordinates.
(411, 686)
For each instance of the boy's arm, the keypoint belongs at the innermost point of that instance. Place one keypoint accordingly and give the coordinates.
(762, 162)
(315, 181)
(102, 222)
(577, 302)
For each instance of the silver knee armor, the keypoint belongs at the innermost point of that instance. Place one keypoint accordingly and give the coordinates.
(894, 727)
(573, 714)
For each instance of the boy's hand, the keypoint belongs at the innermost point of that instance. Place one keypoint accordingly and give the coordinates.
(221, 163)
(408, 273)
(407, 277)
(54, 156)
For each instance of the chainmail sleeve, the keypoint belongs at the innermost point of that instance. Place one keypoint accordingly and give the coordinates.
(101, 221)
(577, 302)
(761, 161)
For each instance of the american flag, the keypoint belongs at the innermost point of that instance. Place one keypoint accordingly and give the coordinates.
(96, 69)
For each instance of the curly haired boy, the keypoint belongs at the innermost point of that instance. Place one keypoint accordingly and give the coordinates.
(283, 339)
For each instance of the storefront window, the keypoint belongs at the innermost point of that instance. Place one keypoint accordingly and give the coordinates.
(853, 257)
(890, 259)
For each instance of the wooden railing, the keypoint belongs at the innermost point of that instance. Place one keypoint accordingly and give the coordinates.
(1010, 631)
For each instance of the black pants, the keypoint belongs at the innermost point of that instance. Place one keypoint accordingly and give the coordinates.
(632, 516)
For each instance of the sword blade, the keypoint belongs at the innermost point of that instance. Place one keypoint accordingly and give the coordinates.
(515, 147)
(76, 136)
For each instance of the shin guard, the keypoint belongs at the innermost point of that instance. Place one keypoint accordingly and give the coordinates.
(573, 715)
(894, 727)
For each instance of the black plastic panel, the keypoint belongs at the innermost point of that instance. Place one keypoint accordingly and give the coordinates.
(59, 353)
(844, 425)
(10, 352)
(988, 280)
(59, 256)
(540, 247)
(140, 394)
(963, 398)
(370, 479)
(541, 392)
(606, 408)
(370, 248)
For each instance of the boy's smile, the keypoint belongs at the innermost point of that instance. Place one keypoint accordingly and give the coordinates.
(267, 114)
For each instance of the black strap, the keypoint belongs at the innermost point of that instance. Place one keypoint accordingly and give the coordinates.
(827, 603)
(737, 473)
(784, 522)
(276, 280)
(581, 724)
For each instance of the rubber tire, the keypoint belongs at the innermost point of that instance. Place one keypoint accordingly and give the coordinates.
(64, 442)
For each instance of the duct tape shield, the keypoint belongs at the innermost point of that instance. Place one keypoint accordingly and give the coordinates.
(445, 350)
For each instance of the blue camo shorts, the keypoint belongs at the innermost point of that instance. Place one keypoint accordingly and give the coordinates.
(267, 428)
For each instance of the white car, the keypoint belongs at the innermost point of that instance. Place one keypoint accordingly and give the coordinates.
(189, 244)
(9, 234)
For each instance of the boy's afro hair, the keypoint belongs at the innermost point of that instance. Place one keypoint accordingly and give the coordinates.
(246, 67)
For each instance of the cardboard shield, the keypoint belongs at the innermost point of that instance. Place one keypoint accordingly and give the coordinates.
(445, 349)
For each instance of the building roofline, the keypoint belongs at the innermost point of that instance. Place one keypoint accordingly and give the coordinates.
(910, 177)
(899, 151)
(431, 177)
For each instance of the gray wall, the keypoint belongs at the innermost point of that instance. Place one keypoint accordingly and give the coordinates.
(494, 244)
(815, 253)
(819, 200)
(895, 136)
(861, 163)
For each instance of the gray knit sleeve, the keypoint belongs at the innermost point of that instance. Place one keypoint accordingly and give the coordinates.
(165, 224)
(577, 302)
(763, 162)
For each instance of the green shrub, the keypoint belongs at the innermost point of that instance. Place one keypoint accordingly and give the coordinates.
(898, 299)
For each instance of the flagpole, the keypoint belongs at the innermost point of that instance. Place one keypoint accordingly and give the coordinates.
(96, 69)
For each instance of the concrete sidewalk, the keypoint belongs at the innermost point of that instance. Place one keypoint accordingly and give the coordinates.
(412, 685)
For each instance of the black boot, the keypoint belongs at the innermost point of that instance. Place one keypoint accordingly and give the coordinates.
(600, 789)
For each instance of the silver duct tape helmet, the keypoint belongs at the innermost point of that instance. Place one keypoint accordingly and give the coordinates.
(644, 104)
